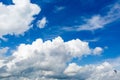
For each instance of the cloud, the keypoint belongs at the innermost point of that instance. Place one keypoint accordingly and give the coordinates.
(3, 50)
(97, 51)
(92, 40)
(103, 71)
(42, 23)
(16, 18)
(98, 21)
(94, 23)
(58, 8)
(50, 1)
(43, 60)
(115, 62)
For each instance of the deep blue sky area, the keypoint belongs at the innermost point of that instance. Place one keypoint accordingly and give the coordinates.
(72, 13)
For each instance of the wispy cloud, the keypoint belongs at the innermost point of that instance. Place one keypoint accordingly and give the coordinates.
(92, 40)
(48, 1)
(42, 23)
(98, 21)
(58, 8)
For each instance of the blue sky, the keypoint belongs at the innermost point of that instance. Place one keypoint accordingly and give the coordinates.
(95, 22)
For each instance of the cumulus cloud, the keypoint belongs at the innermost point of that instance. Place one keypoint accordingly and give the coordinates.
(42, 23)
(16, 18)
(97, 51)
(49, 60)
(103, 71)
(43, 60)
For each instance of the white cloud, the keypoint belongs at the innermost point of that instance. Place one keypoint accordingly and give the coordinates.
(72, 69)
(94, 23)
(115, 62)
(97, 51)
(3, 50)
(104, 71)
(42, 23)
(58, 8)
(98, 21)
(16, 19)
(92, 40)
(49, 60)
(43, 60)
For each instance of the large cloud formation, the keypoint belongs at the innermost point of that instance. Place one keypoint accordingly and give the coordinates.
(50, 60)
(17, 17)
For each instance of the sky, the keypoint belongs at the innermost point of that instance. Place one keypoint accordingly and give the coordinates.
(59, 39)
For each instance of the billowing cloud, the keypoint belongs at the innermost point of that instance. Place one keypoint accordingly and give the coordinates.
(42, 23)
(104, 71)
(43, 60)
(16, 18)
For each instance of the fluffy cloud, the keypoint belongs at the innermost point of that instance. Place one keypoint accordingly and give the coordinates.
(42, 23)
(43, 60)
(49, 60)
(104, 71)
(97, 50)
(16, 18)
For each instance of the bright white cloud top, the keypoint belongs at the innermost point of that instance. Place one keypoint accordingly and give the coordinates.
(17, 18)
(43, 59)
